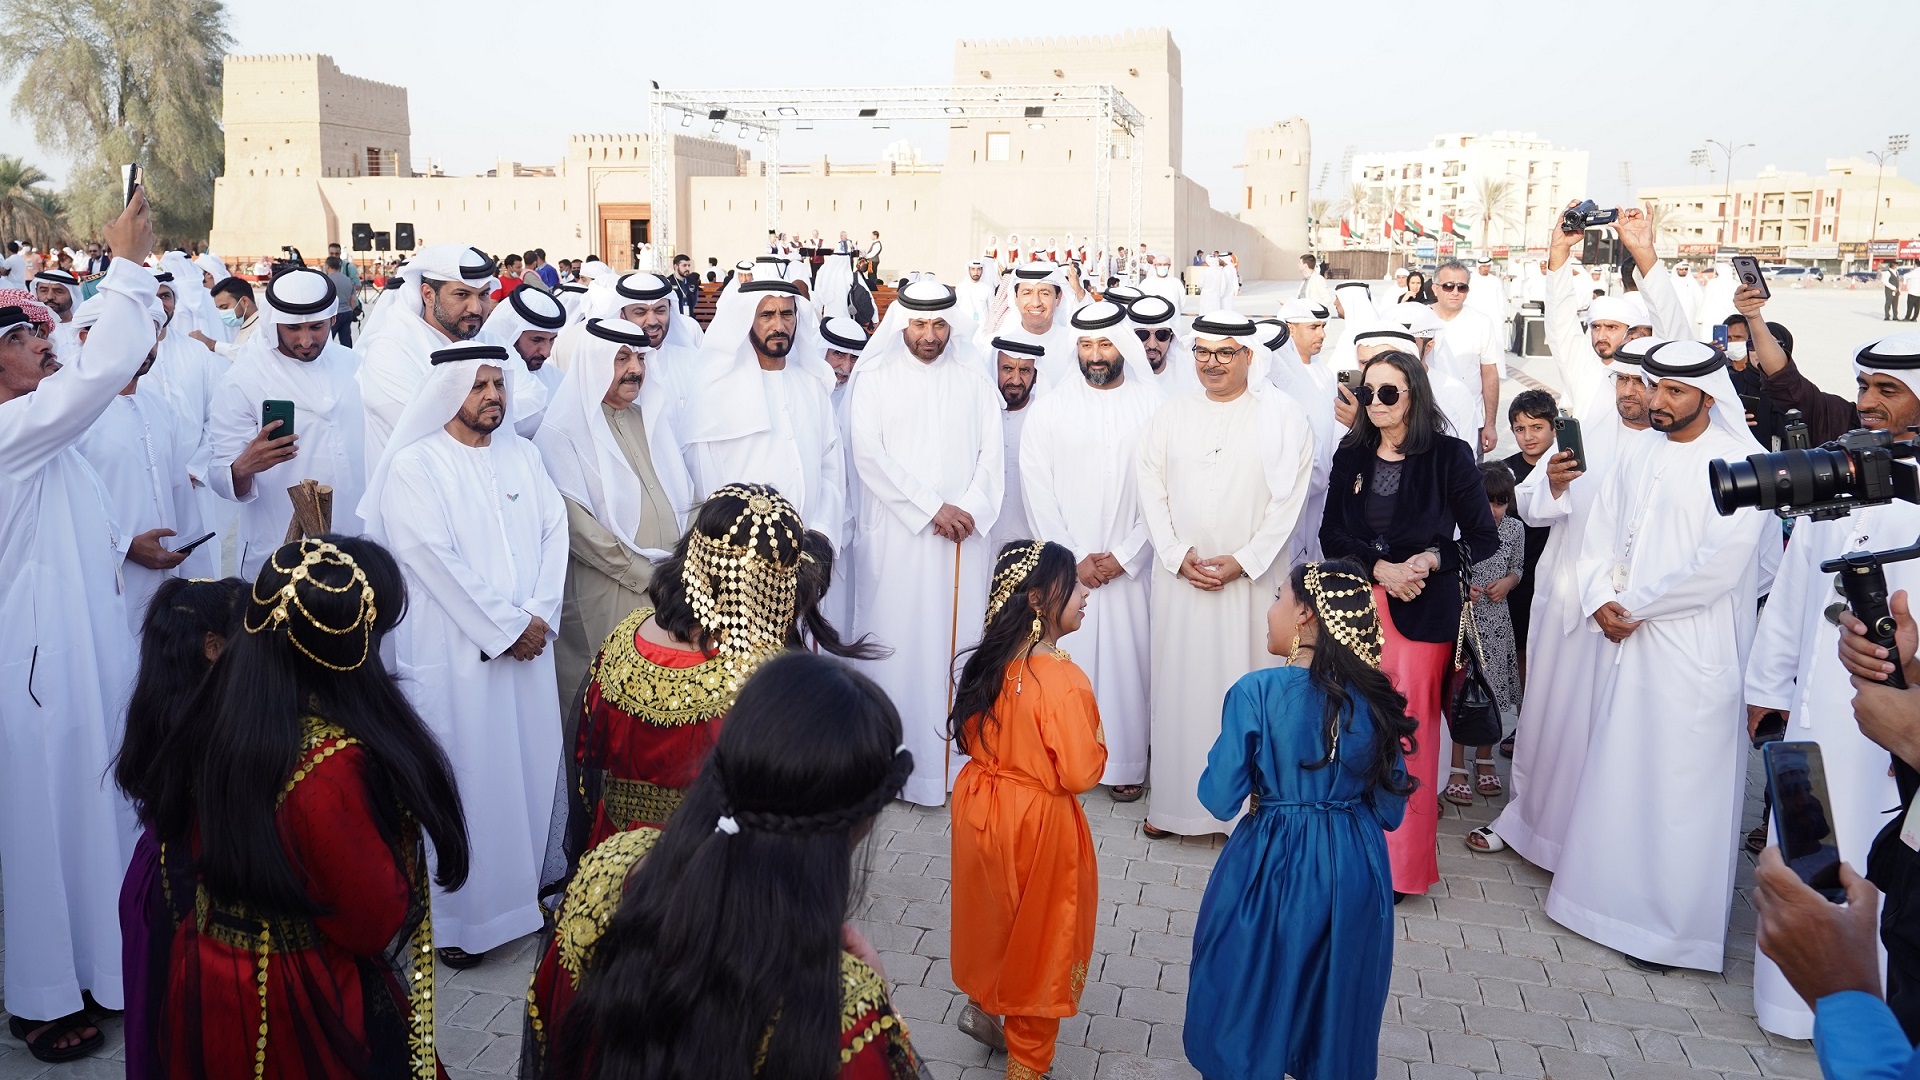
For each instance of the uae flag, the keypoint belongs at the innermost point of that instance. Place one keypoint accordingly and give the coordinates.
(1449, 227)
(1416, 229)
(1346, 230)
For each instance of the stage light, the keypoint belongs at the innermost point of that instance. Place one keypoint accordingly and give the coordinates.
(716, 114)
(686, 119)
(788, 110)
(955, 110)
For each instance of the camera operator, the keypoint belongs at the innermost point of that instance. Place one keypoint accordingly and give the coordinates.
(1794, 669)
(1891, 718)
(1828, 416)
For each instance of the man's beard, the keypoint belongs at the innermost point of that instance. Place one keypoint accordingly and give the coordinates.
(1156, 361)
(1673, 423)
(777, 344)
(1106, 372)
(481, 423)
(1015, 396)
(454, 326)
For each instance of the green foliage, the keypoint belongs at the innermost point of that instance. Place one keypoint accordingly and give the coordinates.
(27, 209)
(113, 81)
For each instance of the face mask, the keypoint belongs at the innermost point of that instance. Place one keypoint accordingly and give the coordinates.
(230, 317)
(1736, 350)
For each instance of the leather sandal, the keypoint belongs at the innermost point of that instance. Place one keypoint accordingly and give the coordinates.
(1487, 783)
(1126, 792)
(42, 1045)
(459, 959)
(1485, 839)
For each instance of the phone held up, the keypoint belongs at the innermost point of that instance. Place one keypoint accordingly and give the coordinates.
(271, 410)
(1802, 816)
(1746, 271)
(1566, 435)
(132, 177)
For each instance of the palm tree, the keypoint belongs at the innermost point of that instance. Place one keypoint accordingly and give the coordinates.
(1354, 206)
(1493, 201)
(22, 213)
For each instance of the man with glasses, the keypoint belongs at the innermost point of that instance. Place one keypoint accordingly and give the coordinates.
(1169, 359)
(1474, 350)
(97, 260)
(1223, 476)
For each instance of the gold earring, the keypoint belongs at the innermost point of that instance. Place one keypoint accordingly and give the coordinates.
(1294, 649)
(1039, 630)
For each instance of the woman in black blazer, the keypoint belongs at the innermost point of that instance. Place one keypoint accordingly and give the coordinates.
(1398, 492)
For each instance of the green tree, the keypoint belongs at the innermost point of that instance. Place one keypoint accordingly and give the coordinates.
(113, 81)
(1493, 202)
(24, 211)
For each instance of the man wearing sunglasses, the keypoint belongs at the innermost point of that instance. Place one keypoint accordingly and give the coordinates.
(1473, 343)
(1223, 476)
(1169, 359)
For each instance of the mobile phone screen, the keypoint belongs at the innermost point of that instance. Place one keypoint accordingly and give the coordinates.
(1802, 818)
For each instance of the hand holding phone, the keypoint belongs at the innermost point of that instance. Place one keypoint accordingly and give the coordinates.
(187, 549)
(132, 177)
(1566, 435)
(1746, 271)
(1803, 816)
(271, 410)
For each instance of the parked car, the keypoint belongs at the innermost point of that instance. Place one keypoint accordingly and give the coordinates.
(1802, 273)
(1860, 276)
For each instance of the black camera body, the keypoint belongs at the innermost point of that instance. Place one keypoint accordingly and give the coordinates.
(1861, 468)
(1585, 216)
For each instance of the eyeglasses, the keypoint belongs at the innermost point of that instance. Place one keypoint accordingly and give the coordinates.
(1452, 286)
(1389, 395)
(1154, 335)
(1223, 356)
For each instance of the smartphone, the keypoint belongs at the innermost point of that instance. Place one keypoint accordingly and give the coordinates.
(131, 177)
(282, 411)
(1751, 403)
(188, 550)
(1720, 336)
(1349, 377)
(1566, 433)
(1746, 271)
(1771, 729)
(1802, 818)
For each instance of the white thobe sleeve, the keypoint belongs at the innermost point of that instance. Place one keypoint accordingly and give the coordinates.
(1283, 510)
(1773, 662)
(905, 495)
(1155, 505)
(420, 533)
(231, 424)
(1572, 349)
(1670, 318)
(1535, 500)
(1045, 519)
(42, 424)
(555, 542)
(1135, 550)
(1702, 575)
(989, 483)
(830, 509)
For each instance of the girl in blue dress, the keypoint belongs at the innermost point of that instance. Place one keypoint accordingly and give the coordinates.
(1294, 947)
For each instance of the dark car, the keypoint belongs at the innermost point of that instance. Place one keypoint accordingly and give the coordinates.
(1860, 275)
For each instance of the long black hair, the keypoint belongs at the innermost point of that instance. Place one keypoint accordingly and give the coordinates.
(1339, 673)
(667, 589)
(173, 662)
(224, 768)
(810, 588)
(1008, 635)
(723, 936)
(1425, 421)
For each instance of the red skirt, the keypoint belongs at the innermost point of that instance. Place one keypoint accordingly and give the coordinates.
(1418, 669)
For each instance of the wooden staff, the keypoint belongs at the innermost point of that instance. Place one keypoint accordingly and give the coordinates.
(953, 651)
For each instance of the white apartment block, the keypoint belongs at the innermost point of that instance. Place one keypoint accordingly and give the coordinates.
(1446, 177)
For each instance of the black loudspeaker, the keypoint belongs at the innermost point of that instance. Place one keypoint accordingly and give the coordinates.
(362, 236)
(1530, 334)
(382, 241)
(1601, 248)
(403, 235)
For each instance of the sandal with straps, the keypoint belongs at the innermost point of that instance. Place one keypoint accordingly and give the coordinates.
(43, 1046)
(1488, 783)
(1458, 794)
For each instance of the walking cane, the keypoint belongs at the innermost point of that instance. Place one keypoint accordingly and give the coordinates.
(953, 649)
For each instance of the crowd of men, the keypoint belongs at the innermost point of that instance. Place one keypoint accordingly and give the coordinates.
(528, 441)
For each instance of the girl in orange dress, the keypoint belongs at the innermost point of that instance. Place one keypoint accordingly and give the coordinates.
(1025, 882)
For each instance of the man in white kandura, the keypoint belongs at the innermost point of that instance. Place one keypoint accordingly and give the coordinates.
(1475, 351)
(442, 301)
(1079, 468)
(527, 322)
(186, 374)
(66, 659)
(927, 448)
(142, 451)
(59, 291)
(293, 358)
(1169, 356)
(467, 509)
(1015, 359)
(1223, 477)
(1300, 372)
(1795, 668)
(674, 340)
(845, 340)
(1671, 583)
(1037, 307)
(976, 293)
(761, 411)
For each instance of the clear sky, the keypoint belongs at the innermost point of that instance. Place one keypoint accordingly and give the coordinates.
(1633, 82)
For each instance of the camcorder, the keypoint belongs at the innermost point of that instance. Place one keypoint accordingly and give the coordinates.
(1861, 468)
(1585, 216)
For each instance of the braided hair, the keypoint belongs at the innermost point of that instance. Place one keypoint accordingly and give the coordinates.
(1031, 580)
(731, 927)
(1343, 672)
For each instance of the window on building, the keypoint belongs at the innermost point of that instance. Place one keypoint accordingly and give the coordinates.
(373, 162)
(999, 145)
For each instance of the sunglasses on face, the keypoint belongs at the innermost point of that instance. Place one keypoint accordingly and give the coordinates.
(1154, 335)
(1389, 395)
(1452, 286)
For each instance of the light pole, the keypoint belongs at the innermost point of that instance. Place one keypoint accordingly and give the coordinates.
(1726, 194)
(1895, 145)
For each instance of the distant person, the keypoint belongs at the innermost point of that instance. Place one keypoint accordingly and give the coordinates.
(686, 283)
(344, 304)
(872, 256)
(1200, 258)
(511, 271)
(1890, 285)
(239, 312)
(548, 275)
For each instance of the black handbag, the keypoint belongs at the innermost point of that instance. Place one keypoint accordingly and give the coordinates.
(1473, 713)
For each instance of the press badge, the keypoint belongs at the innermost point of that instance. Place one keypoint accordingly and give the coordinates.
(1620, 577)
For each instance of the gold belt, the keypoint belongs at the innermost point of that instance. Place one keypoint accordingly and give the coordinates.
(637, 802)
(237, 929)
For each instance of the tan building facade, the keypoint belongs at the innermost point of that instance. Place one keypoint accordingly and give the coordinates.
(1829, 218)
(1450, 177)
(311, 151)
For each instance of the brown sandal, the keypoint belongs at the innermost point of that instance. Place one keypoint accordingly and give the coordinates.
(1127, 792)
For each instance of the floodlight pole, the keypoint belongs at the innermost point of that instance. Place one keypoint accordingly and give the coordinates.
(659, 182)
(1103, 175)
(772, 165)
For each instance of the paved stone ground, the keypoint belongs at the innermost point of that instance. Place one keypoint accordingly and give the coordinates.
(1484, 984)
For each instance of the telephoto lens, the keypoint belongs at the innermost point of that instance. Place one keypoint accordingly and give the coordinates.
(1784, 478)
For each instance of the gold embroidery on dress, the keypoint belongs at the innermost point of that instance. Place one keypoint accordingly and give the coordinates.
(1077, 981)
(595, 894)
(861, 991)
(1017, 1071)
(661, 696)
(632, 802)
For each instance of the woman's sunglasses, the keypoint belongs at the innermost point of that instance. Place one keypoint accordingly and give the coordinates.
(1389, 395)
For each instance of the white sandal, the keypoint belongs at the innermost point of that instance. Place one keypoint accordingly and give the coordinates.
(1488, 840)
(1458, 794)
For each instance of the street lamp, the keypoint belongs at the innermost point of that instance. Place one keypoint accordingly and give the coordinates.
(1726, 194)
(1896, 144)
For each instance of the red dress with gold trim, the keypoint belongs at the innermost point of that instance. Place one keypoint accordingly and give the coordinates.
(873, 1040)
(294, 998)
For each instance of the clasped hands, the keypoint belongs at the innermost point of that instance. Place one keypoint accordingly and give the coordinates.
(1209, 574)
(1098, 569)
(1406, 580)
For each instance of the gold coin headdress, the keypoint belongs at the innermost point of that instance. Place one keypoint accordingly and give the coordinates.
(1346, 609)
(1007, 580)
(285, 610)
(741, 585)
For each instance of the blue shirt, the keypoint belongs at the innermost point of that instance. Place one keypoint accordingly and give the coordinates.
(1856, 1038)
(549, 275)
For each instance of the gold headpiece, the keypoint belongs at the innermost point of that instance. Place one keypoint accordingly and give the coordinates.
(745, 598)
(275, 612)
(1009, 578)
(1356, 627)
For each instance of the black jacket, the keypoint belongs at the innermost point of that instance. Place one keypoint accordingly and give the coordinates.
(1440, 490)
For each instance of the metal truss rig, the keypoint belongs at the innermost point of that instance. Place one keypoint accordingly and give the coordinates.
(764, 112)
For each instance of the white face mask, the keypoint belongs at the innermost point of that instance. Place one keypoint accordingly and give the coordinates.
(231, 317)
(1736, 350)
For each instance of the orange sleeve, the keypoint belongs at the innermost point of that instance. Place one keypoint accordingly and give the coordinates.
(1070, 724)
